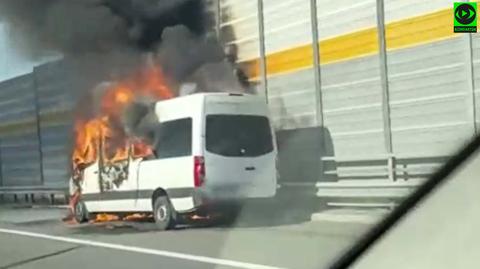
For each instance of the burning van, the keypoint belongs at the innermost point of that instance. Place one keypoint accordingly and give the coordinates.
(206, 149)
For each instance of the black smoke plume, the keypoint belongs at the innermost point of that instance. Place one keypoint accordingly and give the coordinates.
(104, 40)
(109, 35)
(88, 26)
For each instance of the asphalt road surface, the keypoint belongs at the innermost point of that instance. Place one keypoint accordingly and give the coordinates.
(37, 238)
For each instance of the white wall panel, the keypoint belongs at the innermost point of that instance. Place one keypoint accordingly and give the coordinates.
(352, 106)
(287, 24)
(401, 9)
(292, 95)
(344, 16)
(242, 17)
(428, 83)
(429, 98)
(292, 99)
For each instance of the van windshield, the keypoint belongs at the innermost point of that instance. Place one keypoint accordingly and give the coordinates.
(238, 135)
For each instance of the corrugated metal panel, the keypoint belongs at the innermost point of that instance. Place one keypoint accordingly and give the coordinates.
(400, 9)
(291, 95)
(292, 99)
(240, 27)
(17, 100)
(56, 153)
(344, 16)
(20, 160)
(19, 148)
(429, 85)
(351, 90)
(55, 88)
(56, 101)
(352, 106)
(428, 79)
(287, 24)
(428, 98)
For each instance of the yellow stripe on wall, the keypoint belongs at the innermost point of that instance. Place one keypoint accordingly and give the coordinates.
(421, 29)
(404, 33)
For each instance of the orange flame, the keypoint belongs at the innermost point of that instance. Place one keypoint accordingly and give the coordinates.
(138, 217)
(104, 132)
(105, 217)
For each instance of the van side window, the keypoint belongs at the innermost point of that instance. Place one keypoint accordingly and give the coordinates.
(173, 139)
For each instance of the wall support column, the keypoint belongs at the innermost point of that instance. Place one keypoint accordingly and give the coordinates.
(471, 106)
(218, 18)
(387, 127)
(261, 45)
(38, 127)
(316, 63)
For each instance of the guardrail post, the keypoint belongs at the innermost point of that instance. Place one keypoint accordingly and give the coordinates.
(391, 168)
(261, 45)
(405, 172)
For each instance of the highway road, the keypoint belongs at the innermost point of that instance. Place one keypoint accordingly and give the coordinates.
(37, 238)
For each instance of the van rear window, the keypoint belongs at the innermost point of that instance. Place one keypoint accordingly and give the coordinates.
(238, 135)
(174, 139)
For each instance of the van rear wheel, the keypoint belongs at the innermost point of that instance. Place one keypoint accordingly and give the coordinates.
(163, 213)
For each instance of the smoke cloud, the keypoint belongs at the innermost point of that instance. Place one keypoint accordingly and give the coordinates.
(79, 26)
(105, 40)
(111, 37)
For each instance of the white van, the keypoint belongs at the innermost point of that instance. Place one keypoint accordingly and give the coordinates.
(211, 148)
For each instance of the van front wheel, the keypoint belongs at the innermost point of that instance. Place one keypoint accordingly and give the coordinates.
(163, 213)
(80, 212)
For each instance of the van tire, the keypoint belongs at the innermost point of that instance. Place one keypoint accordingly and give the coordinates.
(80, 212)
(163, 213)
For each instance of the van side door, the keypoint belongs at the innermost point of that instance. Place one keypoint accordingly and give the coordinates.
(172, 168)
(90, 187)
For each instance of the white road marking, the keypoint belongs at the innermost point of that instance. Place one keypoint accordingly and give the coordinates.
(170, 254)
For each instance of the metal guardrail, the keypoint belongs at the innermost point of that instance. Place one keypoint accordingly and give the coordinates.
(390, 181)
(367, 189)
(394, 184)
(388, 169)
(30, 192)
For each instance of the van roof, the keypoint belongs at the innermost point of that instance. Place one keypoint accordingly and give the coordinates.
(190, 104)
(202, 95)
(217, 94)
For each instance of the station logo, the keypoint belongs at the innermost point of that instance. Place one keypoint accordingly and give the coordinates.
(465, 17)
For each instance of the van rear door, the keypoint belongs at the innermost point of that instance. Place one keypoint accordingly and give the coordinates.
(239, 155)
